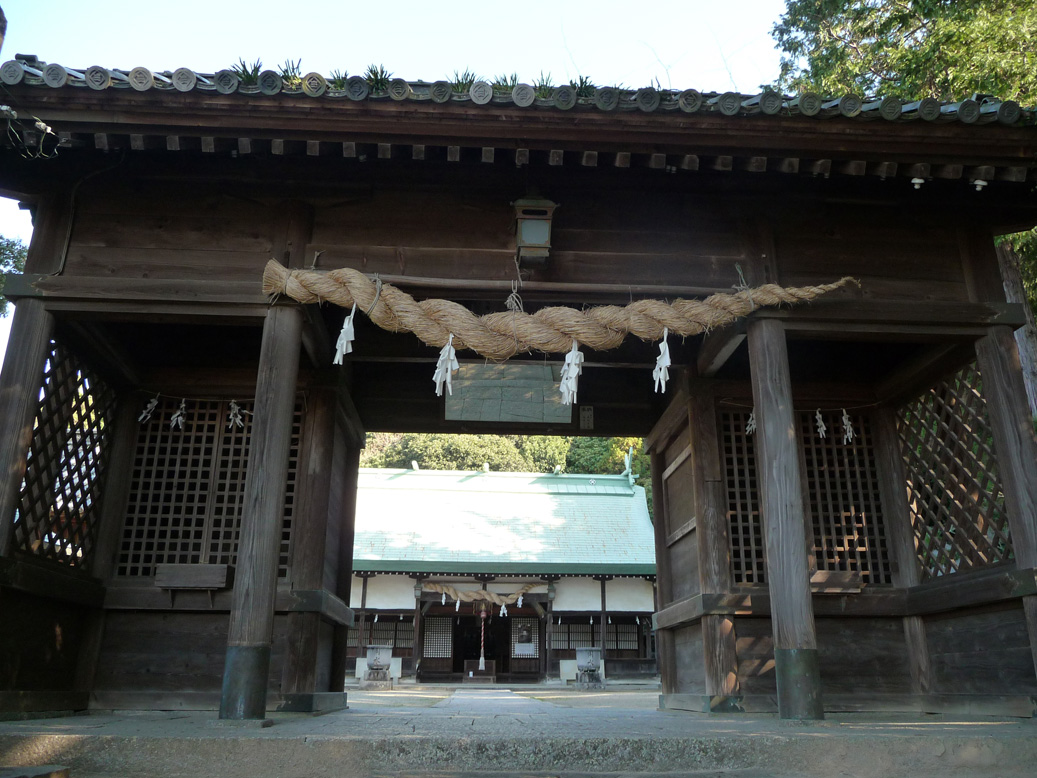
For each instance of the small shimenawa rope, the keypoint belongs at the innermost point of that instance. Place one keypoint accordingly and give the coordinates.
(550, 330)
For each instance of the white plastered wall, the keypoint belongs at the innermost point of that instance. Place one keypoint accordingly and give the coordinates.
(384, 592)
(629, 594)
(577, 594)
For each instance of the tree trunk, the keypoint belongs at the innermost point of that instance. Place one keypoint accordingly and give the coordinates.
(1026, 337)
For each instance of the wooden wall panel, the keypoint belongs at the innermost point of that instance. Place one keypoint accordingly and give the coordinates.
(148, 650)
(684, 562)
(39, 642)
(857, 655)
(982, 651)
(690, 659)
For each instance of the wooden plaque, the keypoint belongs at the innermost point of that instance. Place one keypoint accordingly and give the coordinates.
(523, 95)
(141, 79)
(226, 82)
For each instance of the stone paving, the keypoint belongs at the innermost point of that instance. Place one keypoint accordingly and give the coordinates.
(539, 731)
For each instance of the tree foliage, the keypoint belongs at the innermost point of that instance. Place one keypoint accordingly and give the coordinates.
(12, 260)
(947, 49)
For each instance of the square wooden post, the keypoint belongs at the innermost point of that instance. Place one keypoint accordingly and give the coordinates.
(20, 381)
(346, 467)
(247, 664)
(797, 669)
(1016, 446)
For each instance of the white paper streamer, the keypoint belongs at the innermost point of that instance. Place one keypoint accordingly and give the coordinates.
(234, 416)
(503, 610)
(848, 433)
(344, 344)
(822, 428)
(571, 371)
(750, 426)
(520, 601)
(661, 374)
(457, 607)
(445, 368)
(176, 421)
(145, 415)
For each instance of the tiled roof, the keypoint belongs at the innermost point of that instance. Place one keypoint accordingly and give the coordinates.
(445, 521)
(980, 109)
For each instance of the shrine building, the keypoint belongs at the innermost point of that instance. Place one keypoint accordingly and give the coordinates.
(795, 300)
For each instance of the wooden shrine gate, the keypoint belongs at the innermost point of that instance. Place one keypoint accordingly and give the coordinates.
(196, 552)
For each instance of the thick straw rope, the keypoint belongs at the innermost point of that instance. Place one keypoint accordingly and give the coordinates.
(481, 595)
(551, 330)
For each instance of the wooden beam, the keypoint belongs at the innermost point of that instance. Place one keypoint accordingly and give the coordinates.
(723, 163)
(883, 170)
(20, 382)
(136, 142)
(717, 347)
(787, 165)
(665, 644)
(857, 167)
(384, 151)
(948, 171)
(208, 144)
(920, 372)
(797, 668)
(250, 634)
(1013, 174)
(341, 526)
(244, 145)
(657, 161)
(820, 167)
(349, 149)
(101, 141)
(689, 162)
(753, 164)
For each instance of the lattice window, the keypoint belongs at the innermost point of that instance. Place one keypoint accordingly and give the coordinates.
(559, 636)
(439, 637)
(954, 487)
(621, 637)
(59, 504)
(383, 633)
(841, 498)
(743, 503)
(581, 635)
(525, 638)
(187, 488)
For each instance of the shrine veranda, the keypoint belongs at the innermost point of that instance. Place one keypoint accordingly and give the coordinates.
(200, 556)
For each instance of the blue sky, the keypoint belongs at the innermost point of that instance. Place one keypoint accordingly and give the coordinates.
(701, 44)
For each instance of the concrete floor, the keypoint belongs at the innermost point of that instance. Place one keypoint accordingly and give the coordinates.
(538, 731)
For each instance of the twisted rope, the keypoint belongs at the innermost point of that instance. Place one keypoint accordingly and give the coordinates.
(481, 595)
(550, 330)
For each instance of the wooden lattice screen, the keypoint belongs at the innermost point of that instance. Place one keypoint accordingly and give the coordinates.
(60, 499)
(841, 497)
(187, 487)
(954, 488)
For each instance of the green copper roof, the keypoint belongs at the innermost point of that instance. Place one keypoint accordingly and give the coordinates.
(465, 522)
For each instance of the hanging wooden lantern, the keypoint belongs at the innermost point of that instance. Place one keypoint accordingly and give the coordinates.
(533, 229)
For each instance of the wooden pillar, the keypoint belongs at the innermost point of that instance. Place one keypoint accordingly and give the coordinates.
(549, 631)
(343, 523)
(900, 540)
(27, 352)
(419, 630)
(604, 619)
(1016, 446)
(252, 606)
(664, 642)
(781, 500)
(307, 649)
